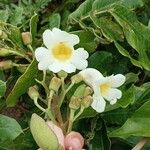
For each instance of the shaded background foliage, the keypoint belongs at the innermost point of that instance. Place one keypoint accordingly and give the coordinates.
(116, 33)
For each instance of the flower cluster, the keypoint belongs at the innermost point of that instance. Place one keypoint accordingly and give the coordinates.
(61, 55)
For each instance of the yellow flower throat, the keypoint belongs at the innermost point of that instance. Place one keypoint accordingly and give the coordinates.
(104, 88)
(62, 51)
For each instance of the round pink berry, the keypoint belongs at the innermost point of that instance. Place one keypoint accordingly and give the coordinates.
(74, 141)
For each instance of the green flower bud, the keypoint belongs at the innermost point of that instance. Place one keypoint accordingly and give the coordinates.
(87, 101)
(79, 92)
(55, 84)
(3, 35)
(88, 91)
(62, 74)
(26, 38)
(4, 52)
(33, 92)
(75, 103)
(76, 78)
(7, 64)
(43, 135)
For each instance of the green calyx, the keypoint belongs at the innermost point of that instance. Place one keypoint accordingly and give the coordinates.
(43, 135)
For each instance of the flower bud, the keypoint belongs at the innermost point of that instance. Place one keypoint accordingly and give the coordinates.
(74, 141)
(88, 91)
(79, 92)
(7, 64)
(62, 74)
(3, 35)
(87, 101)
(43, 135)
(26, 38)
(76, 78)
(33, 92)
(58, 132)
(55, 84)
(4, 52)
(75, 103)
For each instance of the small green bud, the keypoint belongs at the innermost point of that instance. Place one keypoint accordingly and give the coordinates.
(75, 103)
(33, 92)
(76, 78)
(26, 38)
(3, 35)
(62, 74)
(55, 84)
(43, 135)
(79, 92)
(4, 52)
(88, 91)
(87, 101)
(7, 64)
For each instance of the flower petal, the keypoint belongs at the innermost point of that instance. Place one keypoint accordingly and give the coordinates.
(80, 52)
(48, 38)
(68, 67)
(116, 80)
(63, 36)
(113, 94)
(54, 67)
(91, 76)
(42, 54)
(80, 63)
(43, 65)
(98, 103)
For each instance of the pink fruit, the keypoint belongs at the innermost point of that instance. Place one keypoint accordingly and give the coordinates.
(74, 141)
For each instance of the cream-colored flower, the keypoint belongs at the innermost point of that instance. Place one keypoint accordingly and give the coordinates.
(59, 53)
(105, 88)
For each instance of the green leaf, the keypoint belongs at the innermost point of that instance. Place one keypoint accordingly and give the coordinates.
(128, 97)
(13, 33)
(138, 35)
(116, 116)
(9, 128)
(2, 88)
(33, 27)
(109, 28)
(54, 20)
(100, 140)
(98, 7)
(131, 78)
(22, 142)
(100, 61)
(137, 125)
(22, 84)
(87, 40)
(125, 53)
(16, 16)
(4, 15)
(81, 12)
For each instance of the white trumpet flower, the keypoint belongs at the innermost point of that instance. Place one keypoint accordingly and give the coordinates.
(59, 53)
(105, 88)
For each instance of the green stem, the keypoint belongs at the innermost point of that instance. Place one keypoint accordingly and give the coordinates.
(44, 86)
(20, 65)
(50, 115)
(79, 113)
(71, 118)
(31, 49)
(50, 98)
(64, 92)
(37, 105)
